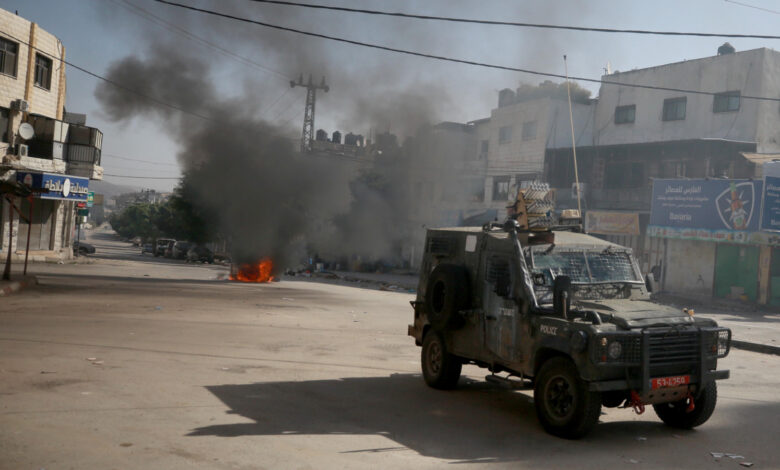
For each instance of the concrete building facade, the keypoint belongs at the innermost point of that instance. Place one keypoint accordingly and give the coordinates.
(37, 146)
(715, 130)
(693, 119)
(468, 173)
(668, 116)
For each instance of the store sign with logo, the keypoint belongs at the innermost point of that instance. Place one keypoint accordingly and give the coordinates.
(62, 187)
(711, 210)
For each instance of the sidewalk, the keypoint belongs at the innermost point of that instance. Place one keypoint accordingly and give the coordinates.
(752, 328)
(17, 283)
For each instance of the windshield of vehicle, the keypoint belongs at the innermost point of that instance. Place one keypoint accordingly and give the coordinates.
(586, 267)
(596, 274)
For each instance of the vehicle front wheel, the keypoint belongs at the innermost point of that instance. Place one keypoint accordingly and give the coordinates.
(676, 414)
(564, 405)
(440, 368)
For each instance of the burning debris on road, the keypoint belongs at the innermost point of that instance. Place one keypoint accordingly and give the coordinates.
(260, 271)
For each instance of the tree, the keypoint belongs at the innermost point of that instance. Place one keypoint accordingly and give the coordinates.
(135, 221)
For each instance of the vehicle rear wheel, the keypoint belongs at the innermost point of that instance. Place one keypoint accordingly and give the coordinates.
(446, 294)
(440, 368)
(675, 414)
(564, 405)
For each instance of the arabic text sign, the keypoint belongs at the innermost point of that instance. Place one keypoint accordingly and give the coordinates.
(64, 187)
(612, 223)
(731, 205)
(770, 218)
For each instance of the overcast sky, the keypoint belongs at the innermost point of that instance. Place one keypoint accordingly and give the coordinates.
(368, 86)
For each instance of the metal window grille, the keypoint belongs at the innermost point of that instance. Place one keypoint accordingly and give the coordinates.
(611, 267)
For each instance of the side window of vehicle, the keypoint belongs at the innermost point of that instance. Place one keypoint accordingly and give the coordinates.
(499, 275)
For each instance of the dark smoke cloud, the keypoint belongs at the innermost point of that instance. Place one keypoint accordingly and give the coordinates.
(167, 76)
(267, 198)
(244, 167)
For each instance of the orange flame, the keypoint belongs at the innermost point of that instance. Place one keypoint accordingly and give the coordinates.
(254, 272)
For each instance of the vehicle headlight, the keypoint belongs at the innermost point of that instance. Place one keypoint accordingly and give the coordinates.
(721, 343)
(614, 350)
(618, 349)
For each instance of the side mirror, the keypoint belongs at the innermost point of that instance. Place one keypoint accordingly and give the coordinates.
(562, 295)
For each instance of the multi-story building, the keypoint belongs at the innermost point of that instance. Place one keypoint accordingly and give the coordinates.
(466, 174)
(711, 127)
(38, 146)
(523, 128)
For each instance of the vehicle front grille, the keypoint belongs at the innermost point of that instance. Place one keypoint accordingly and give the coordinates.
(632, 349)
(673, 347)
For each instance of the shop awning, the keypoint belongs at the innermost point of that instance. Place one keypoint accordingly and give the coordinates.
(760, 158)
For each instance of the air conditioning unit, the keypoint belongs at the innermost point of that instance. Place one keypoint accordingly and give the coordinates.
(20, 105)
(23, 150)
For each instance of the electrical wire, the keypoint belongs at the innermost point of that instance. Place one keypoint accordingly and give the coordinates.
(144, 177)
(753, 6)
(168, 26)
(112, 82)
(517, 24)
(452, 59)
(193, 37)
(138, 160)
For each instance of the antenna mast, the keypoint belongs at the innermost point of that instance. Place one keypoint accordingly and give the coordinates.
(308, 116)
(573, 139)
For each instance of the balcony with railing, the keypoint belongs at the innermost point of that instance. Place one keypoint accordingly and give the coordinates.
(83, 152)
(76, 146)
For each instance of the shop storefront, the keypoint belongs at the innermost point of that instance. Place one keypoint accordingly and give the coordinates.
(713, 244)
(41, 225)
(48, 217)
(736, 271)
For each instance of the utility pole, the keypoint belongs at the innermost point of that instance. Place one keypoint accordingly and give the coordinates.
(308, 116)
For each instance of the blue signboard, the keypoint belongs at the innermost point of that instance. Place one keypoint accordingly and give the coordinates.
(705, 209)
(63, 187)
(770, 214)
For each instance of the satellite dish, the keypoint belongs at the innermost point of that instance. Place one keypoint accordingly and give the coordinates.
(26, 131)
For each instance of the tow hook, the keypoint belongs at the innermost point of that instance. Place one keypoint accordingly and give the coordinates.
(636, 403)
(691, 405)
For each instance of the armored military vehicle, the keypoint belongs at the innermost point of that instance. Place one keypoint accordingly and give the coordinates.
(568, 315)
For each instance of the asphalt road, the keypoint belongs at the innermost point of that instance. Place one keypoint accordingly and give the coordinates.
(140, 362)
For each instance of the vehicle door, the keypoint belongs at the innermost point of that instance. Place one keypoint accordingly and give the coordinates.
(499, 306)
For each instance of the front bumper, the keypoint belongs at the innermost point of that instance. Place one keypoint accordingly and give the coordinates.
(645, 387)
(662, 352)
